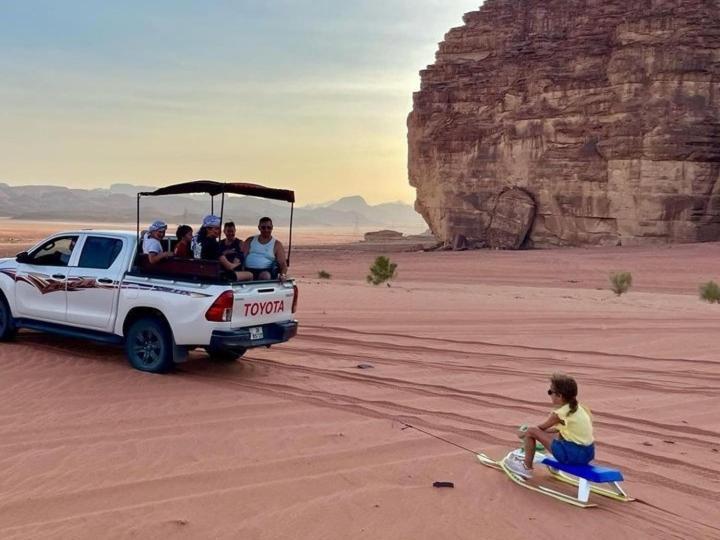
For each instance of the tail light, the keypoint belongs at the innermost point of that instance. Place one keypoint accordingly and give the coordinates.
(222, 308)
(295, 298)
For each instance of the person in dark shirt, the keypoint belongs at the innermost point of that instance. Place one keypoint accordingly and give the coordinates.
(209, 248)
(184, 235)
(231, 245)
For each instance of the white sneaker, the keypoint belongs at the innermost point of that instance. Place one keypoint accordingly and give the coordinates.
(518, 467)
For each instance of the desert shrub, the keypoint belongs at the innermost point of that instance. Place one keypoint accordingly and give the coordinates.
(322, 274)
(381, 271)
(710, 292)
(621, 282)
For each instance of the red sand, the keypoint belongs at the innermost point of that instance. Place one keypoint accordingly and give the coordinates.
(297, 442)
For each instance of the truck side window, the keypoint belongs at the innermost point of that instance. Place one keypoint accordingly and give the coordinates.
(55, 252)
(100, 252)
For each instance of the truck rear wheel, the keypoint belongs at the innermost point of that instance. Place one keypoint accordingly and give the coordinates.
(7, 323)
(224, 355)
(149, 345)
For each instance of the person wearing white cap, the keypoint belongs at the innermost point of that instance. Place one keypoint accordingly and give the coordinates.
(152, 245)
(208, 245)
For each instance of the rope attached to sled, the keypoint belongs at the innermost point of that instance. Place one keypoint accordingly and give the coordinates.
(438, 437)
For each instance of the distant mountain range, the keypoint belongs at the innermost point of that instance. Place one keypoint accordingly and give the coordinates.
(118, 203)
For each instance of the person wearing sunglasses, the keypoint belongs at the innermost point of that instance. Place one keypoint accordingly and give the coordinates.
(567, 432)
(265, 255)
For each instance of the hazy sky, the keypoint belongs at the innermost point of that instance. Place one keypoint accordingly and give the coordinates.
(306, 94)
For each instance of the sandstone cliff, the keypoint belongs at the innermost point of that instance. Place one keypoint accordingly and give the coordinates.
(588, 121)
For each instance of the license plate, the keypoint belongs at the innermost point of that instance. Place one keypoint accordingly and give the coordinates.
(256, 333)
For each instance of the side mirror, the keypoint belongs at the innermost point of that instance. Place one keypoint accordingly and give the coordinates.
(22, 257)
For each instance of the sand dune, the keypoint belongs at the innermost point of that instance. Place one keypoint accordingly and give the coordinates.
(297, 442)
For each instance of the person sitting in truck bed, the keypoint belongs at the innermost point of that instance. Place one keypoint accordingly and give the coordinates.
(152, 243)
(231, 246)
(183, 248)
(264, 255)
(208, 247)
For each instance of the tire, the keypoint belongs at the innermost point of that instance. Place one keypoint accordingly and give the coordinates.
(224, 355)
(149, 345)
(7, 323)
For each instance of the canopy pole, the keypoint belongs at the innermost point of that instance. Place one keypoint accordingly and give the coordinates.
(137, 214)
(212, 204)
(292, 208)
(222, 207)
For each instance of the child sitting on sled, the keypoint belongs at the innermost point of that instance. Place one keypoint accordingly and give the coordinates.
(567, 432)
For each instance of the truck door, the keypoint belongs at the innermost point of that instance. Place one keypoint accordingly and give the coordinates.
(41, 278)
(94, 282)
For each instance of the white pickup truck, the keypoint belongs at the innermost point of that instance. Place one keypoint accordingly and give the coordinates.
(94, 284)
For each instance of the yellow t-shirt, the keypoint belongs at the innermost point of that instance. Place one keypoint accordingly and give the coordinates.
(575, 427)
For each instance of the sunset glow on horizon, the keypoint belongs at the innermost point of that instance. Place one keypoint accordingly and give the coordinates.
(311, 96)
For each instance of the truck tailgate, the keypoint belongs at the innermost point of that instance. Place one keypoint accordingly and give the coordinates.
(262, 303)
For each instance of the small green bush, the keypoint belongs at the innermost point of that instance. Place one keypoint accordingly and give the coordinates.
(322, 274)
(382, 270)
(710, 292)
(621, 282)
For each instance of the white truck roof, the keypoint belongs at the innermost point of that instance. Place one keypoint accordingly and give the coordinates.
(129, 235)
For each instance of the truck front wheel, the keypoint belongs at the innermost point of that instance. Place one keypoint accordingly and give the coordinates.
(149, 345)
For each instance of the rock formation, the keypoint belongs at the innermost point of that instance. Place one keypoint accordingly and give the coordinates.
(572, 122)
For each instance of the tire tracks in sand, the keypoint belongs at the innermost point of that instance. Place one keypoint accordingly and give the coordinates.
(426, 418)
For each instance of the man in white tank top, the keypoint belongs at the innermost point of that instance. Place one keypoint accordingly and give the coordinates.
(264, 254)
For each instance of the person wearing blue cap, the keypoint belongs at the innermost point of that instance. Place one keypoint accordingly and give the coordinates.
(152, 242)
(207, 246)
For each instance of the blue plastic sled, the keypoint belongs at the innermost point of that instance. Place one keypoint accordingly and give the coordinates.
(587, 478)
